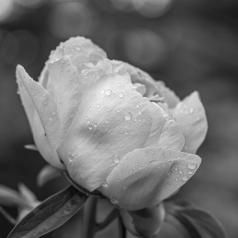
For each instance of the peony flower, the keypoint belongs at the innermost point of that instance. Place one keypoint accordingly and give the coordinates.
(111, 126)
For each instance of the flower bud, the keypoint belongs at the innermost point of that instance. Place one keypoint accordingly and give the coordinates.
(111, 126)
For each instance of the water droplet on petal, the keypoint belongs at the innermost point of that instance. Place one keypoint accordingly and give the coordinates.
(66, 211)
(128, 117)
(108, 92)
(184, 178)
(180, 172)
(116, 159)
(90, 127)
(192, 166)
(121, 95)
(114, 201)
(105, 185)
(191, 110)
(190, 172)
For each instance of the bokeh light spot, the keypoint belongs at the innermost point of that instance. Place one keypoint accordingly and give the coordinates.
(144, 48)
(71, 19)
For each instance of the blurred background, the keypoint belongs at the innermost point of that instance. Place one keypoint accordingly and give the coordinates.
(189, 44)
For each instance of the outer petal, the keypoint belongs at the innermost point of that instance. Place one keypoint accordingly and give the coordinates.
(169, 96)
(42, 143)
(68, 87)
(112, 120)
(171, 136)
(191, 117)
(147, 176)
(79, 50)
(42, 115)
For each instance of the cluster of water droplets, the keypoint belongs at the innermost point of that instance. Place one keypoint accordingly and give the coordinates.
(52, 116)
(185, 173)
(91, 125)
(72, 156)
(190, 112)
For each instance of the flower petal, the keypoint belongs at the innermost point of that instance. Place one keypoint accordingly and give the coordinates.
(42, 114)
(81, 52)
(171, 136)
(147, 176)
(138, 76)
(169, 96)
(191, 117)
(42, 143)
(112, 120)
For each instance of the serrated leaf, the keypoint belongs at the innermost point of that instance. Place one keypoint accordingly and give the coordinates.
(46, 174)
(50, 214)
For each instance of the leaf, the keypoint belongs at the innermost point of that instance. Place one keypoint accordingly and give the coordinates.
(27, 194)
(10, 197)
(50, 214)
(46, 174)
(204, 223)
(31, 147)
(199, 223)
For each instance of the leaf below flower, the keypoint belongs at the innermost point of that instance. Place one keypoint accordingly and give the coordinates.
(50, 214)
(198, 223)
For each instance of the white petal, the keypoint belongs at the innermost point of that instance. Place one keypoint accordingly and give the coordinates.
(169, 96)
(41, 111)
(147, 176)
(112, 120)
(171, 137)
(191, 117)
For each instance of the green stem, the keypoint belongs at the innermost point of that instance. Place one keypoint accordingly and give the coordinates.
(90, 217)
(121, 228)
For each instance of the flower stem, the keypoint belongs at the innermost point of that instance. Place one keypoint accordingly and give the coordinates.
(90, 217)
(121, 228)
(109, 219)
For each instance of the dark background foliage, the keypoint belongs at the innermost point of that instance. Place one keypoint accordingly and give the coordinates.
(189, 44)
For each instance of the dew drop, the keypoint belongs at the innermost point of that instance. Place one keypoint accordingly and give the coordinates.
(108, 92)
(90, 127)
(105, 185)
(192, 166)
(184, 178)
(190, 172)
(116, 159)
(121, 95)
(66, 211)
(191, 110)
(198, 118)
(114, 201)
(128, 117)
(180, 172)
